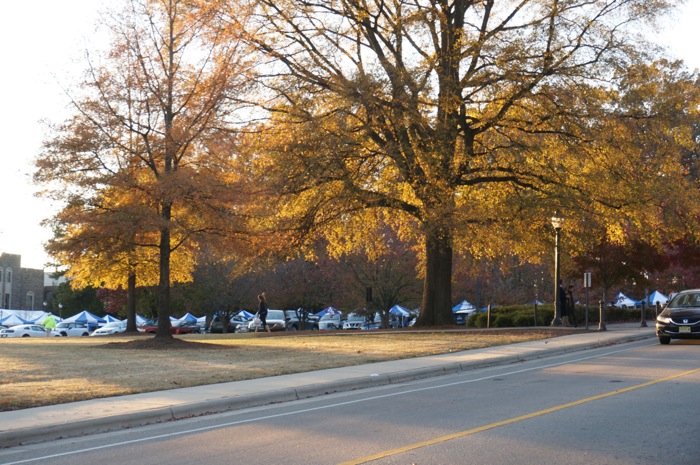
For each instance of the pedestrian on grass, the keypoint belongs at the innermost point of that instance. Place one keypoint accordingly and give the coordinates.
(262, 313)
(49, 324)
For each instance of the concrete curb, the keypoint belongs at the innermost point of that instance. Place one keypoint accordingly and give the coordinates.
(148, 414)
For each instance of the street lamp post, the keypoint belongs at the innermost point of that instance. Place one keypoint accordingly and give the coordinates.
(557, 223)
(60, 311)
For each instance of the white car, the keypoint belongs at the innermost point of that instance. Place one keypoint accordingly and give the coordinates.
(110, 328)
(331, 321)
(355, 321)
(70, 329)
(24, 331)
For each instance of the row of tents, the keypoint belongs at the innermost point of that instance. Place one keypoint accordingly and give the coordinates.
(621, 301)
(21, 317)
(24, 317)
(463, 309)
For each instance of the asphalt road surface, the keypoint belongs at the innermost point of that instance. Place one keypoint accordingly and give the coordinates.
(630, 404)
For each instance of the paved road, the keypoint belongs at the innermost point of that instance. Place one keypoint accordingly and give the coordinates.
(619, 404)
(89, 417)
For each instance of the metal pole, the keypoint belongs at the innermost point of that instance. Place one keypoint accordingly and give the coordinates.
(601, 325)
(535, 308)
(557, 290)
(586, 307)
(644, 314)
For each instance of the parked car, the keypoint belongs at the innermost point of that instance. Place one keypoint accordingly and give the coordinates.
(331, 321)
(294, 324)
(354, 321)
(276, 321)
(184, 327)
(70, 329)
(680, 319)
(110, 328)
(235, 322)
(24, 331)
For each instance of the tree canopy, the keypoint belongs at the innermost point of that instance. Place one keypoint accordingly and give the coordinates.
(469, 121)
(144, 165)
(461, 125)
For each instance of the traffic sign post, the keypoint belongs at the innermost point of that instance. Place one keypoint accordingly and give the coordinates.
(587, 285)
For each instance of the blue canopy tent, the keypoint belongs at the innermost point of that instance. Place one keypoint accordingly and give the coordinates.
(400, 312)
(656, 296)
(111, 319)
(188, 317)
(463, 306)
(13, 320)
(92, 321)
(85, 317)
(461, 312)
(329, 310)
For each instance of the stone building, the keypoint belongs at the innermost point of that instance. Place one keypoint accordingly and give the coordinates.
(20, 288)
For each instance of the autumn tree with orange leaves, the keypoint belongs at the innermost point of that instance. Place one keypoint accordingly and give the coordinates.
(468, 122)
(144, 166)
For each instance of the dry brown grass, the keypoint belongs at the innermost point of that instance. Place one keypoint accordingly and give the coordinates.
(35, 372)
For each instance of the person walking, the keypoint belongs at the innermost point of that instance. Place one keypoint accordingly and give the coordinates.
(49, 324)
(262, 313)
(563, 304)
(572, 306)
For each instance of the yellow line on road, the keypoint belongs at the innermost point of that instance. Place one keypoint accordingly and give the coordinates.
(498, 424)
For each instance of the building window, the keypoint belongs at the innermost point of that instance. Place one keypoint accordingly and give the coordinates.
(6, 303)
(8, 275)
(30, 301)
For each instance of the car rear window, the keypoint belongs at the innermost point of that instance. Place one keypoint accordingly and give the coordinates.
(686, 300)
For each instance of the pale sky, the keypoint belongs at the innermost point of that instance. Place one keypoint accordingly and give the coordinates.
(42, 43)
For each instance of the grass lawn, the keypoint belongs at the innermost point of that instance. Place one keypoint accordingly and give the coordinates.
(38, 371)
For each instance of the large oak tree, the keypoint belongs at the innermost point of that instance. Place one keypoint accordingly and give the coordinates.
(472, 120)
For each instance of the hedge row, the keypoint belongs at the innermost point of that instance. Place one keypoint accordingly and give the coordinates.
(524, 315)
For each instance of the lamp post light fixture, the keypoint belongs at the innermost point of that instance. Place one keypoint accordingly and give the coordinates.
(557, 223)
(60, 311)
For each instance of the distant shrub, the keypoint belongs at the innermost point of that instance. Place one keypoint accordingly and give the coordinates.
(477, 320)
(523, 319)
(503, 321)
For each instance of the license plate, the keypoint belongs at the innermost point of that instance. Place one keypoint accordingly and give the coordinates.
(684, 329)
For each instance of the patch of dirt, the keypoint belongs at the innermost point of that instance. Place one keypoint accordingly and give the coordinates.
(156, 343)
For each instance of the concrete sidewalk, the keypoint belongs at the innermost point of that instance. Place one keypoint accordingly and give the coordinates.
(106, 414)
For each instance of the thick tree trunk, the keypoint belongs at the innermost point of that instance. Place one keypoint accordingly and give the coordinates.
(131, 302)
(164, 282)
(436, 309)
